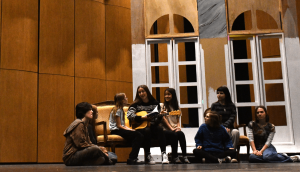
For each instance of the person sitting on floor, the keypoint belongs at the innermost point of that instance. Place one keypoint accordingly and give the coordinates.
(260, 134)
(78, 149)
(213, 143)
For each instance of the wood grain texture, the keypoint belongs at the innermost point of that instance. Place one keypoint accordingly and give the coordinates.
(118, 44)
(56, 54)
(237, 7)
(19, 41)
(114, 87)
(89, 90)
(89, 39)
(154, 9)
(18, 111)
(214, 60)
(120, 3)
(137, 22)
(55, 113)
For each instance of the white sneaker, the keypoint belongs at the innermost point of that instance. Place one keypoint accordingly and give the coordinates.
(295, 158)
(164, 158)
(150, 160)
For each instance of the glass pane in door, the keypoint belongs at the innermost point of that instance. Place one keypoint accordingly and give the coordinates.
(159, 52)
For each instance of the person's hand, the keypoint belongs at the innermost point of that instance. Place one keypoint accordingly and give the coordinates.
(199, 147)
(255, 152)
(163, 112)
(259, 153)
(177, 129)
(228, 130)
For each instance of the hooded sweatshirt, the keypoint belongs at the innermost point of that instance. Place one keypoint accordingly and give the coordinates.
(77, 138)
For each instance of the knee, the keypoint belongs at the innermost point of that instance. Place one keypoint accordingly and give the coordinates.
(269, 156)
(139, 136)
(235, 132)
(252, 158)
(180, 134)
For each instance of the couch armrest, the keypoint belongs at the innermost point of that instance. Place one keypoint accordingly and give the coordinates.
(244, 126)
(103, 123)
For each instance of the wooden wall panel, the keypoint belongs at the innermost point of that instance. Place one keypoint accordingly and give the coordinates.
(120, 3)
(118, 44)
(89, 39)
(89, 90)
(55, 113)
(18, 111)
(19, 42)
(298, 16)
(114, 87)
(137, 22)
(56, 54)
(215, 66)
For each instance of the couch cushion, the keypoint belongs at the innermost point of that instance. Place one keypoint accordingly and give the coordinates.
(110, 138)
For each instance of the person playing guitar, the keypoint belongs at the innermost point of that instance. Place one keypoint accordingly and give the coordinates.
(144, 101)
(171, 125)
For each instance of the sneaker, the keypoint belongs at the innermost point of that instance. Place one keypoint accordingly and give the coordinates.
(234, 160)
(177, 161)
(164, 158)
(186, 160)
(227, 159)
(150, 160)
(134, 162)
(294, 158)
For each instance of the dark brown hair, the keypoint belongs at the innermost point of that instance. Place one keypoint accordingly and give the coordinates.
(173, 102)
(214, 120)
(208, 110)
(138, 99)
(265, 109)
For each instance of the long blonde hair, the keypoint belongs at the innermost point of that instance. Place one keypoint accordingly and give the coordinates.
(119, 97)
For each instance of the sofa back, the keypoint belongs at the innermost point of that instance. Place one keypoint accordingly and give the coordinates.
(103, 115)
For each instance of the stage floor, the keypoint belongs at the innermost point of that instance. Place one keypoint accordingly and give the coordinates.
(122, 167)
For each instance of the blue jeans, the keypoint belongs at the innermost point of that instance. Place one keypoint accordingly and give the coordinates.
(269, 155)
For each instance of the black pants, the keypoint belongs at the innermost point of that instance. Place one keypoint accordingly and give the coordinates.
(88, 156)
(213, 156)
(155, 132)
(136, 139)
(173, 138)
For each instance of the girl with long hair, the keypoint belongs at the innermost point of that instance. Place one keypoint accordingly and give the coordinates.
(144, 101)
(212, 141)
(227, 110)
(171, 125)
(261, 133)
(117, 127)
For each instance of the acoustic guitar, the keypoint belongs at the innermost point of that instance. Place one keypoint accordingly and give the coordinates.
(144, 124)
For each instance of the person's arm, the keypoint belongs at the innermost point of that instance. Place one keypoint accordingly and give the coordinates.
(251, 138)
(268, 142)
(79, 138)
(166, 122)
(199, 137)
(131, 114)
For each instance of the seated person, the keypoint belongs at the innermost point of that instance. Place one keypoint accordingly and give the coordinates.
(261, 134)
(78, 148)
(213, 143)
(172, 127)
(117, 127)
(227, 110)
